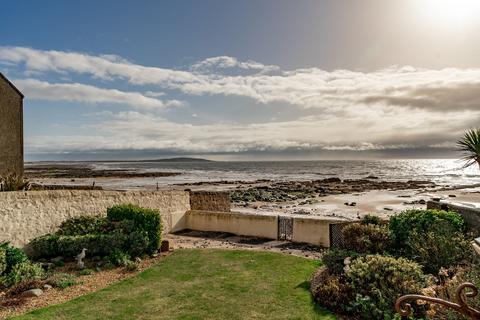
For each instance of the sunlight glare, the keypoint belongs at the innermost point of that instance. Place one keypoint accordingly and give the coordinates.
(450, 13)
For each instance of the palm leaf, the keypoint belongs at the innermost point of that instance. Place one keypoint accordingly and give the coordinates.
(470, 146)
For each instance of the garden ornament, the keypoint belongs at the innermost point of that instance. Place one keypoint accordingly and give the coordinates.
(80, 257)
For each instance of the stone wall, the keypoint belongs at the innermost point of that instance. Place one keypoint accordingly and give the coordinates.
(210, 201)
(26, 215)
(11, 129)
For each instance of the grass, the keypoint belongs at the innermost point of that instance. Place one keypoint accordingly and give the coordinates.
(203, 284)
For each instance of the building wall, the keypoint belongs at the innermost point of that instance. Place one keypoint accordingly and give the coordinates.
(11, 130)
(26, 215)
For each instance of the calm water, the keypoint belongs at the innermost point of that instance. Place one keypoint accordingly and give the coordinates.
(440, 171)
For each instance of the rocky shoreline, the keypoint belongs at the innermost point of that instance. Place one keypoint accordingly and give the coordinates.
(296, 190)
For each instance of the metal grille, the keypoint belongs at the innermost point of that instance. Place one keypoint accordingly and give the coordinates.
(336, 235)
(285, 228)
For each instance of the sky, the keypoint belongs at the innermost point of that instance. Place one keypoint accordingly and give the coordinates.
(243, 80)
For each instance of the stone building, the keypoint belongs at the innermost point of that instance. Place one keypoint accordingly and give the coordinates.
(11, 128)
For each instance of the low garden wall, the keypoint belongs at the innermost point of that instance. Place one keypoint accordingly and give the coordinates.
(264, 226)
(310, 230)
(26, 215)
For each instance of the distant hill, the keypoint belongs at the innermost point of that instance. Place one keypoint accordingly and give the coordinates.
(179, 159)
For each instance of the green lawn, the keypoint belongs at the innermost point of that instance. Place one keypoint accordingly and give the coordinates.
(203, 284)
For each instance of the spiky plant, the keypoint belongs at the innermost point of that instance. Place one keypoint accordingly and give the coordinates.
(470, 145)
(13, 182)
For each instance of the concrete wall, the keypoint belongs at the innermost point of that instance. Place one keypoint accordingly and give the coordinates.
(210, 201)
(264, 226)
(11, 129)
(470, 214)
(311, 230)
(26, 215)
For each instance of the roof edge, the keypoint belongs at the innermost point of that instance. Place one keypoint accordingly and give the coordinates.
(12, 85)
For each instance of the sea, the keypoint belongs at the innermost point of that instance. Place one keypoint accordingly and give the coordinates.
(441, 171)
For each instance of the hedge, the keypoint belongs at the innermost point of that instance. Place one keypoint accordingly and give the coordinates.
(147, 220)
(128, 228)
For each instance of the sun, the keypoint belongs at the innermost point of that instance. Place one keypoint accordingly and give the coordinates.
(449, 13)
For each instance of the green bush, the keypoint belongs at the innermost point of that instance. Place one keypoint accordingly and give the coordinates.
(442, 246)
(3, 261)
(377, 281)
(62, 280)
(365, 238)
(83, 225)
(334, 259)
(147, 220)
(13, 256)
(420, 221)
(119, 258)
(85, 272)
(23, 271)
(371, 219)
(433, 238)
(50, 246)
(127, 228)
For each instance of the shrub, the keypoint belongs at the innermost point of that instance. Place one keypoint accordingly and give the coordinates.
(377, 281)
(13, 256)
(147, 220)
(24, 271)
(127, 228)
(49, 246)
(62, 280)
(44, 247)
(331, 291)
(403, 224)
(83, 225)
(371, 219)
(85, 272)
(130, 266)
(119, 258)
(3, 261)
(433, 238)
(365, 238)
(13, 182)
(439, 247)
(334, 259)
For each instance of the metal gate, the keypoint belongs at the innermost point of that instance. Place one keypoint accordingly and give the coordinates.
(336, 235)
(285, 228)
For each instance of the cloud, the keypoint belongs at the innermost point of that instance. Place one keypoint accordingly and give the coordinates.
(141, 130)
(225, 62)
(339, 110)
(305, 88)
(76, 92)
